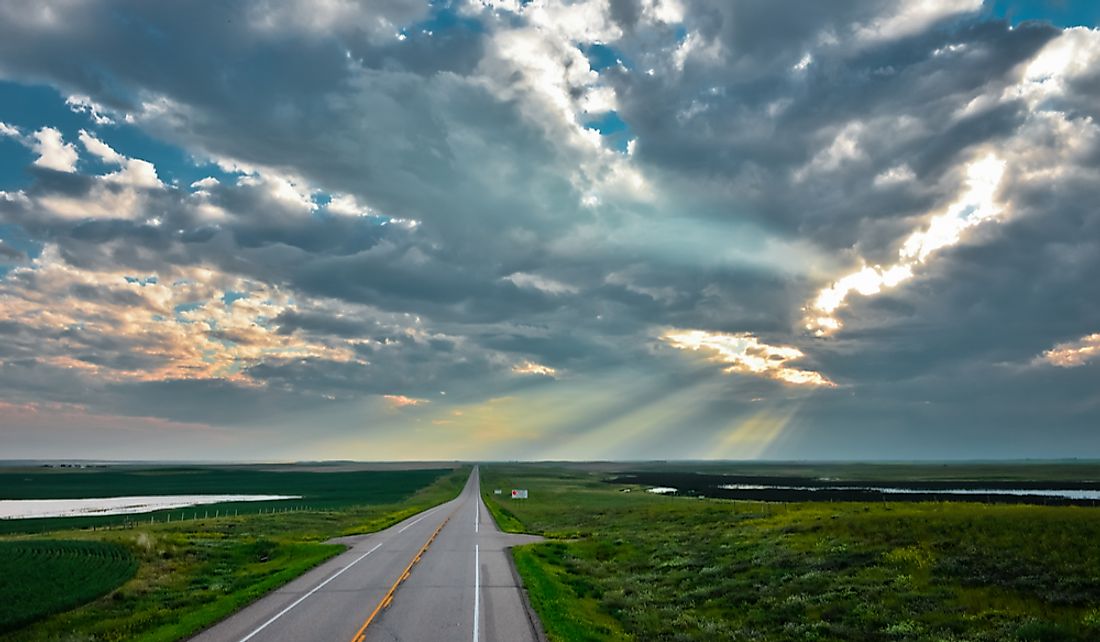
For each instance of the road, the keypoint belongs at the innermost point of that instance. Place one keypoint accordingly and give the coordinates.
(458, 584)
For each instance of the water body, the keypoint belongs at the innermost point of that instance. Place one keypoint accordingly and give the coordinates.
(31, 508)
(1085, 492)
(662, 490)
(1019, 492)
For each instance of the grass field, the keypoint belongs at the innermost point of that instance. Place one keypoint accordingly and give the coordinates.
(319, 491)
(631, 565)
(191, 574)
(38, 578)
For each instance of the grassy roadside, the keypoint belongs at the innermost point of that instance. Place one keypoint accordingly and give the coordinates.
(630, 565)
(194, 573)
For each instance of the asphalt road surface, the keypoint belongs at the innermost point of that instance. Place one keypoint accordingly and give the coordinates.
(441, 575)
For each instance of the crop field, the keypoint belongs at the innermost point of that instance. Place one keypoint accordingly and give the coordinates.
(624, 564)
(193, 573)
(319, 490)
(38, 578)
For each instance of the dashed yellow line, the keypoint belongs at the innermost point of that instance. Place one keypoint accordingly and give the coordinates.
(387, 599)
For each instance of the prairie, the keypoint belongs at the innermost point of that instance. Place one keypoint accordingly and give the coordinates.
(630, 565)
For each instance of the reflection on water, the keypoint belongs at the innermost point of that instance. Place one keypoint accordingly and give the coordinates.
(1068, 494)
(27, 508)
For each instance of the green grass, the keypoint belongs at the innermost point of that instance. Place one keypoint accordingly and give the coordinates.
(504, 518)
(567, 608)
(193, 573)
(38, 578)
(318, 490)
(631, 565)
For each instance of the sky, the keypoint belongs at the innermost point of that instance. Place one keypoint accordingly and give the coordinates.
(507, 229)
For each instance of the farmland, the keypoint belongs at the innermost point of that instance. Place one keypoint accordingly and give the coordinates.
(625, 564)
(41, 577)
(192, 573)
(320, 491)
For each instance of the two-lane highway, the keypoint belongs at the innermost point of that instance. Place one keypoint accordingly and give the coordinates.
(441, 575)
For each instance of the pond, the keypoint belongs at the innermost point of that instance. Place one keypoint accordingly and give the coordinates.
(30, 508)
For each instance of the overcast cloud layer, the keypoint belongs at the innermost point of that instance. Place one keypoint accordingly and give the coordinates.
(497, 229)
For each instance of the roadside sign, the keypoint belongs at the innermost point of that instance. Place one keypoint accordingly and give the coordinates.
(496, 492)
(519, 493)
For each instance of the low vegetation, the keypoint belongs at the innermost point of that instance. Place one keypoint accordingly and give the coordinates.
(39, 578)
(192, 573)
(625, 564)
(321, 489)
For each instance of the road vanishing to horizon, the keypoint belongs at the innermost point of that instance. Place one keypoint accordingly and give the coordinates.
(439, 575)
(785, 314)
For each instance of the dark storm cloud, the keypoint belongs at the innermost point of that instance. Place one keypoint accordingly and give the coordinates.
(776, 146)
(712, 120)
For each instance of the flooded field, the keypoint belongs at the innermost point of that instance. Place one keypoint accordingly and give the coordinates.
(32, 508)
(887, 490)
(787, 489)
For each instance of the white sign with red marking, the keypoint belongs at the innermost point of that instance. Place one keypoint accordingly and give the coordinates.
(519, 493)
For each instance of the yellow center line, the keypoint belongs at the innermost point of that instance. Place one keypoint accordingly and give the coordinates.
(387, 599)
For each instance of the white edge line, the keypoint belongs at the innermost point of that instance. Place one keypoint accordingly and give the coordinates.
(413, 523)
(315, 589)
(477, 587)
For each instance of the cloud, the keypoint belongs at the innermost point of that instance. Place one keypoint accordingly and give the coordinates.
(170, 325)
(976, 205)
(9, 254)
(544, 284)
(745, 354)
(387, 196)
(53, 152)
(85, 105)
(401, 401)
(1073, 354)
(532, 368)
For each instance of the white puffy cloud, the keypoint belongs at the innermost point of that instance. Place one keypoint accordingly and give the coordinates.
(100, 150)
(85, 105)
(53, 152)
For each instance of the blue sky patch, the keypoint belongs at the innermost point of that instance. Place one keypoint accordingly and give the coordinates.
(616, 133)
(32, 107)
(444, 18)
(16, 237)
(1066, 13)
(232, 295)
(601, 56)
(187, 307)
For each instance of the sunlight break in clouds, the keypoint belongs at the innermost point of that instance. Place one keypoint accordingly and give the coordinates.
(172, 325)
(532, 368)
(973, 207)
(744, 353)
(401, 401)
(1074, 353)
